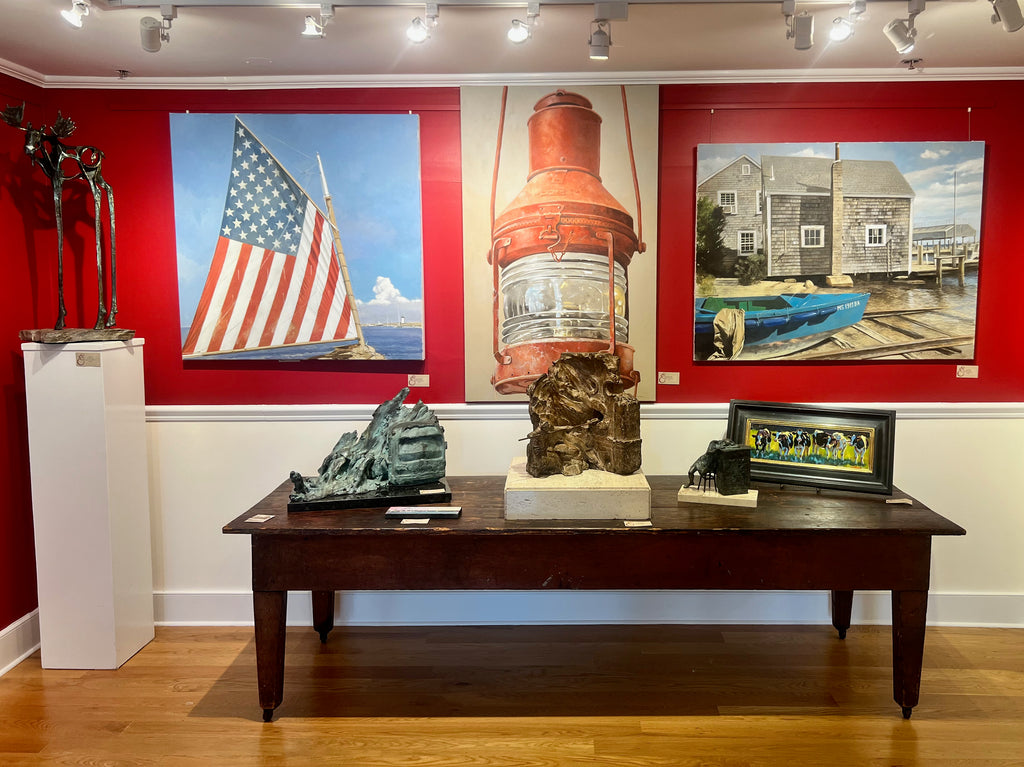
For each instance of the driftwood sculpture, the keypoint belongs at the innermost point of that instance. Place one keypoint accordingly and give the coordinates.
(64, 163)
(582, 418)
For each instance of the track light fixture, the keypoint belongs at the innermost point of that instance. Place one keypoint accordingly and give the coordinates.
(843, 27)
(600, 39)
(799, 27)
(901, 32)
(314, 27)
(155, 32)
(420, 28)
(79, 9)
(521, 31)
(1007, 13)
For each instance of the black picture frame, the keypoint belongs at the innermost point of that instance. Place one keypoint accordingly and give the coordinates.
(865, 466)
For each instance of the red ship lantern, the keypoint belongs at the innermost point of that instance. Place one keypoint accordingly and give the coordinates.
(561, 249)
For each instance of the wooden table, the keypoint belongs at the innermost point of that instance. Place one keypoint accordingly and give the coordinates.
(797, 538)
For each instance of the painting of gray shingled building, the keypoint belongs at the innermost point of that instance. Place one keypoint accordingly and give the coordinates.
(859, 251)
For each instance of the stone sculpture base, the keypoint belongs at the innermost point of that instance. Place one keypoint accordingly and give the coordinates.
(393, 495)
(593, 494)
(75, 335)
(696, 495)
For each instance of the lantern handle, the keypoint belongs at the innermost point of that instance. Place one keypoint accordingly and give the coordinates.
(641, 245)
(497, 158)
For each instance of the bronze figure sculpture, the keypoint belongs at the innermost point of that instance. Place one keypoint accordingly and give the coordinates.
(63, 163)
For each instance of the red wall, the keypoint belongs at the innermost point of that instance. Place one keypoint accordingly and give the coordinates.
(132, 128)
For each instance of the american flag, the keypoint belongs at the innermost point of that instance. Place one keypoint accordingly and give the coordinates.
(275, 277)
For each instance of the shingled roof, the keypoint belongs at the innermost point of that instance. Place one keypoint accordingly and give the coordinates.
(813, 176)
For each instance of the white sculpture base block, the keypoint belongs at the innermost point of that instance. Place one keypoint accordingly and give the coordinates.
(590, 495)
(695, 495)
(90, 501)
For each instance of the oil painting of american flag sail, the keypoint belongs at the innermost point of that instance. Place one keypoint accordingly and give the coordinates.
(298, 236)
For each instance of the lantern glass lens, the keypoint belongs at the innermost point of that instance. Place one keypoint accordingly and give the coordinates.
(544, 298)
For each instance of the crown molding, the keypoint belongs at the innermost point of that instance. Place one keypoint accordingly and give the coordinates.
(711, 77)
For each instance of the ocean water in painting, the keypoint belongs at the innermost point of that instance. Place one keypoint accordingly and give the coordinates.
(395, 343)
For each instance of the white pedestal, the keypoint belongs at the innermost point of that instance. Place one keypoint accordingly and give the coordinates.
(696, 495)
(590, 495)
(90, 500)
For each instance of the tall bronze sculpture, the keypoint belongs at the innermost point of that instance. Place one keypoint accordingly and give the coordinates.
(63, 163)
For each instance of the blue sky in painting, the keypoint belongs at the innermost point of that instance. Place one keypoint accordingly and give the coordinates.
(372, 166)
(932, 168)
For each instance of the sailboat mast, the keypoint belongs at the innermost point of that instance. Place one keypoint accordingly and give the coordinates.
(349, 295)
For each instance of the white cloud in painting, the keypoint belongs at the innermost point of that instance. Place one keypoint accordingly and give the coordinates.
(388, 305)
(934, 154)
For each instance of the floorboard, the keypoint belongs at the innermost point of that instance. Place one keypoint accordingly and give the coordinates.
(528, 696)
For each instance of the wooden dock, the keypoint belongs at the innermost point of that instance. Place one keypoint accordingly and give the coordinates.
(902, 334)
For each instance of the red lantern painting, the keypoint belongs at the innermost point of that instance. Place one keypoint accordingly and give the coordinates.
(561, 249)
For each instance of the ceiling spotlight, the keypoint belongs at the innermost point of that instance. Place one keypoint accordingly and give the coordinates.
(843, 28)
(1008, 13)
(901, 32)
(600, 39)
(155, 32)
(799, 27)
(521, 31)
(419, 30)
(74, 15)
(313, 28)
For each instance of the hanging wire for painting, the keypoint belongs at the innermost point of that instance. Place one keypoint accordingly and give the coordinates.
(968, 123)
(711, 127)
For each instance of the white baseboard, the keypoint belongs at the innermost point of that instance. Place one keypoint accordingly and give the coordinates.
(432, 608)
(18, 641)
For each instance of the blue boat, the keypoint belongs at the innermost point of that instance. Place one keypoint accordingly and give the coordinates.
(782, 324)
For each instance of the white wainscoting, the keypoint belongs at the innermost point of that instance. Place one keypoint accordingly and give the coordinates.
(210, 463)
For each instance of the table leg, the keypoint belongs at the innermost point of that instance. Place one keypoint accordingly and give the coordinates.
(323, 613)
(269, 611)
(909, 609)
(842, 609)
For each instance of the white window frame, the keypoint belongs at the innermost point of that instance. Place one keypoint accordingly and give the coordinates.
(729, 208)
(745, 169)
(884, 228)
(806, 230)
(760, 201)
(753, 242)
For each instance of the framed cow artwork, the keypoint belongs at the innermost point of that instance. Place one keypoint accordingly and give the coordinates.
(820, 446)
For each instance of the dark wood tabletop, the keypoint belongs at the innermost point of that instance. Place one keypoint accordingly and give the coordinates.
(799, 509)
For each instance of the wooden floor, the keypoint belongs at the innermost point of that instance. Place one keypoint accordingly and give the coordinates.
(533, 696)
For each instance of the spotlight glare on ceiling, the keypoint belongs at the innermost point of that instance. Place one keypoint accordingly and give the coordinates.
(842, 29)
(74, 15)
(518, 32)
(419, 30)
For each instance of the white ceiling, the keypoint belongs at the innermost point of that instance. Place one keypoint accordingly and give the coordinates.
(260, 45)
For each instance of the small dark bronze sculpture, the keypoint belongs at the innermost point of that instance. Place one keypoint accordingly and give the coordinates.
(725, 465)
(582, 419)
(61, 163)
(401, 447)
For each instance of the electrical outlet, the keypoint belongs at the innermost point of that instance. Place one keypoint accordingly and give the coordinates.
(419, 379)
(966, 371)
(668, 378)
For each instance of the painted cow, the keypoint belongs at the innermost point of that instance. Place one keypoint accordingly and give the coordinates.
(837, 444)
(859, 443)
(801, 443)
(785, 440)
